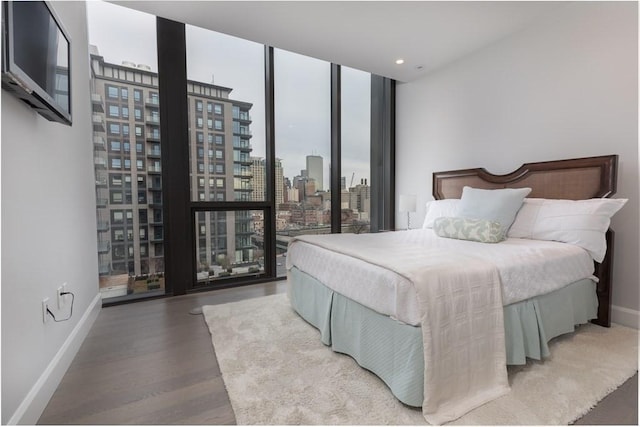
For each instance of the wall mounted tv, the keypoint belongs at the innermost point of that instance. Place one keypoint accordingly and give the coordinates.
(36, 58)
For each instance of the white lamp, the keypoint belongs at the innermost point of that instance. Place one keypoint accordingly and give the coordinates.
(408, 205)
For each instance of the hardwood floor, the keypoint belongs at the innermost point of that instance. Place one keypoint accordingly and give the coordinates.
(153, 363)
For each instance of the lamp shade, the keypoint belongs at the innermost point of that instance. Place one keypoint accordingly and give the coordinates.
(407, 203)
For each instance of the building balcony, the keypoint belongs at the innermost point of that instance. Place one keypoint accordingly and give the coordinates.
(152, 102)
(154, 120)
(101, 181)
(242, 144)
(243, 133)
(97, 103)
(154, 154)
(102, 202)
(104, 247)
(243, 149)
(103, 226)
(243, 117)
(100, 163)
(99, 144)
(245, 233)
(243, 174)
(154, 169)
(242, 162)
(98, 123)
(157, 238)
(153, 136)
(155, 203)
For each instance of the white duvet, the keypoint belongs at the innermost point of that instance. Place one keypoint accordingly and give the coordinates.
(527, 268)
(460, 303)
(458, 289)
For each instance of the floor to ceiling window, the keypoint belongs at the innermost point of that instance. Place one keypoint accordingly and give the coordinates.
(126, 142)
(302, 147)
(355, 145)
(243, 165)
(226, 99)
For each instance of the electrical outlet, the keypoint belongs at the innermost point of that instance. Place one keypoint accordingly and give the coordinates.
(60, 301)
(61, 289)
(45, 306)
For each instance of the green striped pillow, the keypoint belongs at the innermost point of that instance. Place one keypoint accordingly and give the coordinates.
(477, 230)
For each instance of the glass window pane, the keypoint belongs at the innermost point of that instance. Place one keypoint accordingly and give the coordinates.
(228, 244)
(303, 145)
(227, 75)
(130, 247)
(355, 191)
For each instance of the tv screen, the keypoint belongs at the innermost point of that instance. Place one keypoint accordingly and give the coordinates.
(36, 58)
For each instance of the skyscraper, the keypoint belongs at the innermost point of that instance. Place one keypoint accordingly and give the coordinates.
(314, 171)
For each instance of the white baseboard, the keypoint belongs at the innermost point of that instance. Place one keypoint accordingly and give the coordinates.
(38, 397)
(625, 316)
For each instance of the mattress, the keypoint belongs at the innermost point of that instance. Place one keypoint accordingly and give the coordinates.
(527, 268)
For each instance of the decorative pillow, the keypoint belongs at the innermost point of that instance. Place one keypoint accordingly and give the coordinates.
(500, 205)
(579, 222)
(477, 230)
(438, 208)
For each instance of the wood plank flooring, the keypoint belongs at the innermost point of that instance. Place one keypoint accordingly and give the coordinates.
(152, 362)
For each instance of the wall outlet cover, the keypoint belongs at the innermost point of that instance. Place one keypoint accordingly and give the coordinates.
(45, 306)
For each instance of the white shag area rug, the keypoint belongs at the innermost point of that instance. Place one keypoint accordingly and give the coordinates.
(278, 372)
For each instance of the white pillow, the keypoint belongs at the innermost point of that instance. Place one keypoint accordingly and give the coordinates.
(500, 205)
(439, 208)
(578, 222)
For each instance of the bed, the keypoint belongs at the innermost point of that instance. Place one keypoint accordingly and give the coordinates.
(370, 303)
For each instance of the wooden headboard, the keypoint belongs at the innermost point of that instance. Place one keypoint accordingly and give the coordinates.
(572, 179)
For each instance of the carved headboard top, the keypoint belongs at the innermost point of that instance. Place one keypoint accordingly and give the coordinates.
(572, 179)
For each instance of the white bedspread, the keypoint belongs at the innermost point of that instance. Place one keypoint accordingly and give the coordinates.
(527, 268)
(460, 302)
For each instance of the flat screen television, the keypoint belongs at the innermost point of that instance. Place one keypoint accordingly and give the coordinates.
(36, 58)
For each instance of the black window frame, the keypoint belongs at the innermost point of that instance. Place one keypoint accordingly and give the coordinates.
(179, 229)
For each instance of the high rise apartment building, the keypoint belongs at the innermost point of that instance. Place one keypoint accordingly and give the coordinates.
(127, 160)
(220, 166)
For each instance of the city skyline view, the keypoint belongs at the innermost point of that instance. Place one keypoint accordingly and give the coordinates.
(302, 103)
(226, 152)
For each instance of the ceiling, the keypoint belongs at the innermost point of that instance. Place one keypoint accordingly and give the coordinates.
(367, 35)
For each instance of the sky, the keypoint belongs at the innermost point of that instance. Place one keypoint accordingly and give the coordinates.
(302, 87)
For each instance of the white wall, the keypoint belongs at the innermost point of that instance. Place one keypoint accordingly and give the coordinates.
(564, 88)
(48, 235)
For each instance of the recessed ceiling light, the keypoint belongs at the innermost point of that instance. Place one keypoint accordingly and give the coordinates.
(399, 61)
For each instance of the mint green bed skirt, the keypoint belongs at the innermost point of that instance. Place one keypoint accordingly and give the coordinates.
(393, 350)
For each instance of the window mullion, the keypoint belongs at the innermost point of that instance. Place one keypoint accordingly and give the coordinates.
(178, 234)
(336, 155)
